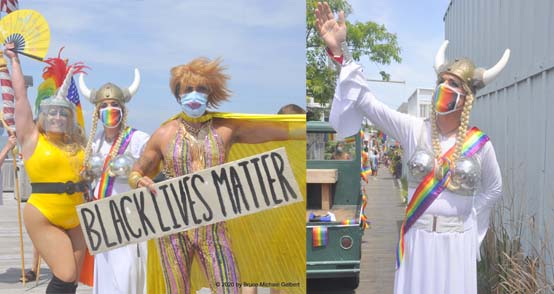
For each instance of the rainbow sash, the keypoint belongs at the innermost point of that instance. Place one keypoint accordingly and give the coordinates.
(430, 188)
(106, 182)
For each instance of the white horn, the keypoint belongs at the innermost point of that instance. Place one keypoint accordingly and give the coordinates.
(83, 87)
(62, 91)
(132, 90)
(440, 58)
(490, 74)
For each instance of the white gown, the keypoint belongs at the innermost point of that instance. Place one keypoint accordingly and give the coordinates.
(433, 262)
(122, 270)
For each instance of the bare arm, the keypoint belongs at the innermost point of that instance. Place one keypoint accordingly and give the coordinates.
(147, 166)
(12, 141)
(251, 132)
(26, 128)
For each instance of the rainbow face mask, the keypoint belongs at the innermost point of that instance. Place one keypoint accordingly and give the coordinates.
(111, 116)
(446, 99)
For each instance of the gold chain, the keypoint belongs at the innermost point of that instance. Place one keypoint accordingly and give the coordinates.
(190, 129)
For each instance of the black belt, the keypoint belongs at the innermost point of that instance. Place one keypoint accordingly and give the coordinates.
(58, 188)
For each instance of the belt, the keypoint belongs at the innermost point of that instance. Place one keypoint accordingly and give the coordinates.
(440, 224)
(58, 188)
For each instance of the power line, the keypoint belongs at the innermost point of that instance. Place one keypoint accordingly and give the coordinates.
(381, 81)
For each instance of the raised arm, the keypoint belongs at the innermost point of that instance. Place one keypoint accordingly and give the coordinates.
(26, 128)
(353, 100)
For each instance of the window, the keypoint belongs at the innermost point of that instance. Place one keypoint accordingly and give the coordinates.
(323, 146)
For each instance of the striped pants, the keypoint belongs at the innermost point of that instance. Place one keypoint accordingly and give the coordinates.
(216, 258)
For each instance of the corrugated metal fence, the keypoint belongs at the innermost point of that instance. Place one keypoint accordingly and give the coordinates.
(517, 110)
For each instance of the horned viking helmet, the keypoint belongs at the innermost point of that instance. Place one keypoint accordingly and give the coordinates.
(464, 69)
(110, 91)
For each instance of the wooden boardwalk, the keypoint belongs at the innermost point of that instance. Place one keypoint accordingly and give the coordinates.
(385, 212)
(10, 258)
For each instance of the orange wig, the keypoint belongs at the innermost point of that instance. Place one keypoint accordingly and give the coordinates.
(201, 71)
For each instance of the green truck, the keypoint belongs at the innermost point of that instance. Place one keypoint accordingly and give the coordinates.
(334, 216)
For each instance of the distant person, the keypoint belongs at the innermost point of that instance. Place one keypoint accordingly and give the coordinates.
(32, 274)
(10, 144)
(398, 167)
(374, 161)
(340, 153)
(291, 109)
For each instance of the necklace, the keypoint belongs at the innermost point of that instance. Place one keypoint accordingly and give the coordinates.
(190, 129)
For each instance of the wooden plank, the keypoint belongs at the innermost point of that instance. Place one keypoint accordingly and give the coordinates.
(322, 176)
(326, 196)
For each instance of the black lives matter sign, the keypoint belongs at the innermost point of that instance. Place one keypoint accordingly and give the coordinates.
(242, 187)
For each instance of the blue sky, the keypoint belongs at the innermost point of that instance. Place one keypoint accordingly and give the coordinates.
(419, 28)
(262, 45)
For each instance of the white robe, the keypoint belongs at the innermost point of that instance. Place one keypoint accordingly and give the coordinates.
(433, 262)
(122, 270)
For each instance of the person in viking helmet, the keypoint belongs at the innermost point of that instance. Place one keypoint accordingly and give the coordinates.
(453, 179)
(109, 157)
(53, 152)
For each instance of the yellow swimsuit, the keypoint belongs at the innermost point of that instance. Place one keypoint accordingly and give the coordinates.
(50, 164)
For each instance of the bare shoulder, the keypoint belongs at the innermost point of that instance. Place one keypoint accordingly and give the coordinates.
(225, 127)
(165, 132)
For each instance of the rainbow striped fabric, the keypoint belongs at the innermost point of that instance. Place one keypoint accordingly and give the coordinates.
(430, 188)
(319, 236)
(349, 221)
(105, 186)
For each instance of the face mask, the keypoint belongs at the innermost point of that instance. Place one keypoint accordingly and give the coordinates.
(446, 99)
(111, 116)
(194, 104)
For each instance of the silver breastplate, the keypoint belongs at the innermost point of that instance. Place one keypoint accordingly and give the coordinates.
(465, 176)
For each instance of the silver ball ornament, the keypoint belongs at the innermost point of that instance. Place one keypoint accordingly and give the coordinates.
(121, 165)
(420, 164)
(95, 165)
(466, 175)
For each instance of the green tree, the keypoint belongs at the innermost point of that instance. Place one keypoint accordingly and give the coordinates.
(364, 39)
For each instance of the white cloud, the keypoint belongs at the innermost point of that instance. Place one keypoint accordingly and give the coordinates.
(261, 43)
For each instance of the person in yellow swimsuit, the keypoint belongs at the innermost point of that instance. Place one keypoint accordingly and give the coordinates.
(53, 150)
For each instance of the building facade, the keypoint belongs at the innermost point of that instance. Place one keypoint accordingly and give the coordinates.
(516, 110)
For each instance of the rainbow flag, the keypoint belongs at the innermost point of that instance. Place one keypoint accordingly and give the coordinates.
(430, 188)
(319, 236)
(349, 221)
(366, 172)
(329, 137)
(365, 222)
(351, 139)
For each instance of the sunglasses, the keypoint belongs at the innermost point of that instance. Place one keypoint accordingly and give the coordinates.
(61, 112)
(446, 99)
(200, 89)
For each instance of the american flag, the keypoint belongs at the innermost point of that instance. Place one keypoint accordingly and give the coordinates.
(8, 6)
(73, 96)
